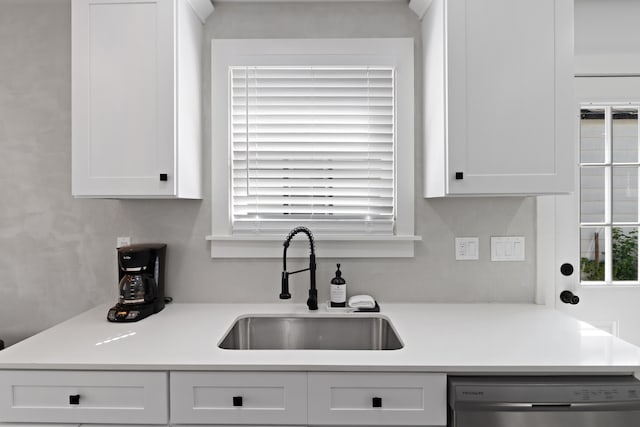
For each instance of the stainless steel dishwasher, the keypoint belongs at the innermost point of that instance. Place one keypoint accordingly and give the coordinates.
(585, 401)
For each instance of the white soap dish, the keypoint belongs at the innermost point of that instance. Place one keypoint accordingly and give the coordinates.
(356, 304)
(338, 309)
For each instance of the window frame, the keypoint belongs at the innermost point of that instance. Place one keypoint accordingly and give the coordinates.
(395, 52)
(609, 165)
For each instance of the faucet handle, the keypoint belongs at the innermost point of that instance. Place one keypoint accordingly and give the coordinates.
(284, 294)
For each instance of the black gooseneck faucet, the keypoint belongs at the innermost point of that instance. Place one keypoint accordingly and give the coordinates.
(312, 302)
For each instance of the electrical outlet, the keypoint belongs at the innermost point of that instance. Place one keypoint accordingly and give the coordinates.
(123, 241)
(467, 248)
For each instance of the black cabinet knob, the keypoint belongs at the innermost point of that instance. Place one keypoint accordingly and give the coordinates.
(74, 399)
(164, 177)
(376, 402)
(459, 175)
(566, 269)
(569, 297)
(237, 400)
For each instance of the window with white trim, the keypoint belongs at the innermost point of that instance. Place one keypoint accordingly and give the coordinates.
(609, 203)
(315, 132)
(312, 145)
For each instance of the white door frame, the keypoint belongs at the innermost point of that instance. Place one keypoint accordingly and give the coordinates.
(617, 89)
(546, 250)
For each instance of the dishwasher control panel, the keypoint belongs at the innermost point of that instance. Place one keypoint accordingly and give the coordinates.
(603, 394)
(544, 389)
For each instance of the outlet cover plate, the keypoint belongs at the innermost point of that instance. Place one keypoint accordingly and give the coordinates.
(123, 241)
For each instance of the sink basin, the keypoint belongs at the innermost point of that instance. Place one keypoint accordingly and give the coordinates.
(311, 333)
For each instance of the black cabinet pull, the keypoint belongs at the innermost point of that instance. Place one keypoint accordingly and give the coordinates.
(164, 177)
(376, 402)
(237, 400)
(74, 399)
(566, 269)
(459, 175)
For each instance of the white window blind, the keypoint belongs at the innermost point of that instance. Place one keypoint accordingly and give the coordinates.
(312, 145)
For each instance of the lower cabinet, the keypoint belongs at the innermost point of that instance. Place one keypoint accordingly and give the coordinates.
(239, 398)
(315, 398)
(79, 397)
(405, 399)
(100, 398)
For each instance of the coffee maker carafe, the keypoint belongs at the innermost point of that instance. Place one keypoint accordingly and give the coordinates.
(141, 282)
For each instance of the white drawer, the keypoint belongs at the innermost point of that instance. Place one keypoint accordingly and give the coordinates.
(261, 398)
(101, 396)
(352, 398)
(38, 425)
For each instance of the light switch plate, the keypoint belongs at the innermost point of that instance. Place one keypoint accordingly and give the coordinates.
(467, 248)
(507, 248)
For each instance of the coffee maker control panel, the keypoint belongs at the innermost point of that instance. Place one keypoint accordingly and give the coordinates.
(119, 315)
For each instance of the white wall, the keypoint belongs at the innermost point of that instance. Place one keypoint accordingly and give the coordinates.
(607, 36)
(57, 254)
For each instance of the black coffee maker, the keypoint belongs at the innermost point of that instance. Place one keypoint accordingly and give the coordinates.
(141, 282)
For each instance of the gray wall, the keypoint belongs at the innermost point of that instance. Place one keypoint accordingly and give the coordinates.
(57, 255)
(607, 36)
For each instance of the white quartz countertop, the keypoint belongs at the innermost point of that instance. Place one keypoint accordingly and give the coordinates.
(452, 338)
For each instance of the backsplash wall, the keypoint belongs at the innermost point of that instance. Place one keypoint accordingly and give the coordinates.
(57, 256)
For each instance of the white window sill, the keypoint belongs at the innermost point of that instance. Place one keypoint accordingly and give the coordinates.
(327, 246)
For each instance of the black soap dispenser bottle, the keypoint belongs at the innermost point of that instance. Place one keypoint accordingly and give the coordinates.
(338, 290)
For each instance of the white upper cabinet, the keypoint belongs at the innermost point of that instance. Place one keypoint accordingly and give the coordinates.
(499, 114)
(136, 98)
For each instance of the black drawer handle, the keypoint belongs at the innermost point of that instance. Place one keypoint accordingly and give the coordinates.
(376, 402)
(164, 177)
(237, 400)
(74, 399)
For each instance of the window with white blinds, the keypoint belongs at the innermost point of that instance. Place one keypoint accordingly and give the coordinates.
(312, 145)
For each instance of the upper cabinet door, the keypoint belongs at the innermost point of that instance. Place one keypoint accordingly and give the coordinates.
(126, 95)
(498, 90)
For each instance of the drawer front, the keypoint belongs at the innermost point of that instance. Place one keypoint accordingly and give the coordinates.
(377, 399)
(84, 397)
(38, 425)
(239, 397)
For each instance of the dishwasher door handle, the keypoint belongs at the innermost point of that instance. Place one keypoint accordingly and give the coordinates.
(550, 405)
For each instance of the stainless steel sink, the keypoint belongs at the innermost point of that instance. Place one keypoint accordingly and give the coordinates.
(353, 332)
